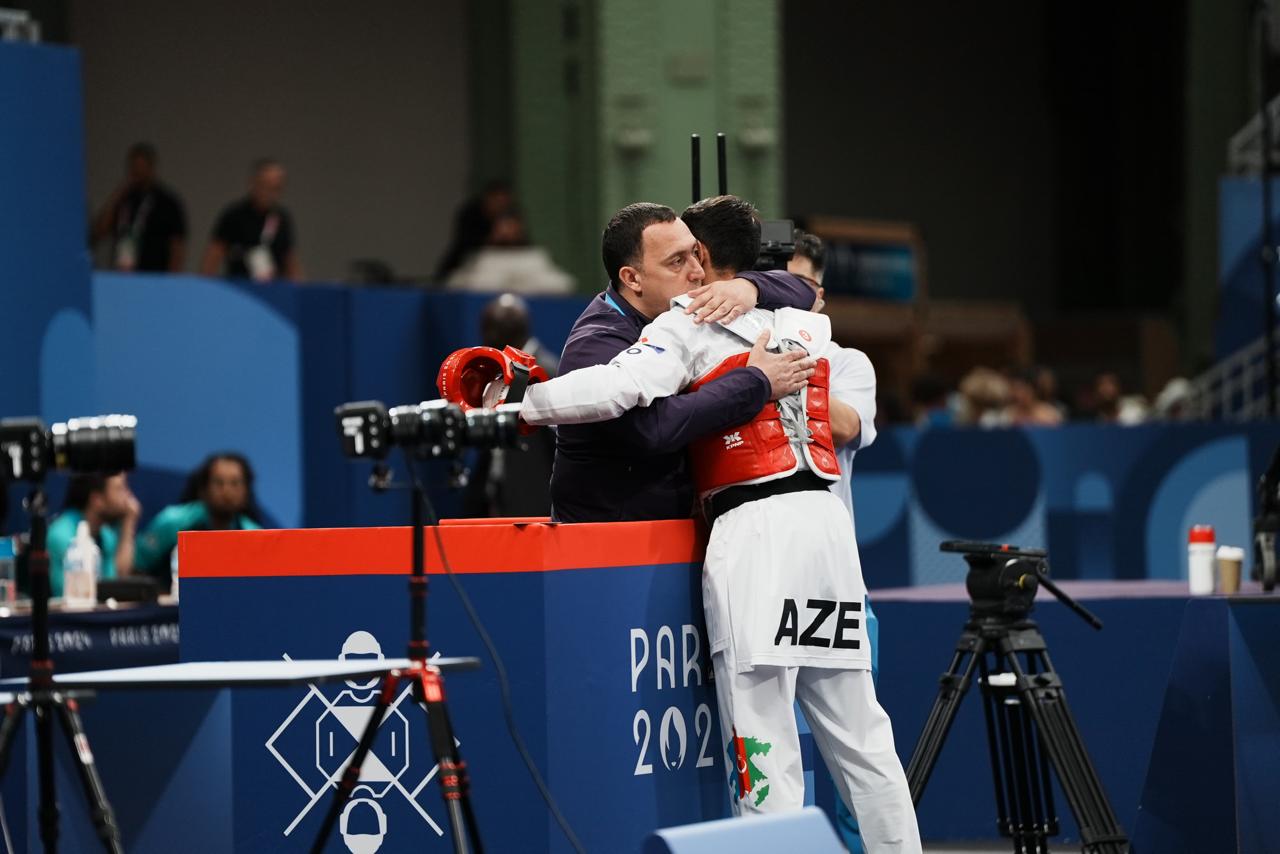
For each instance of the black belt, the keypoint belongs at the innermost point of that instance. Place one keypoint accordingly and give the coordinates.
(735, 496)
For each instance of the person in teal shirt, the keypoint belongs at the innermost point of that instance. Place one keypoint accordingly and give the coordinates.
(112, 511)
(218, 497)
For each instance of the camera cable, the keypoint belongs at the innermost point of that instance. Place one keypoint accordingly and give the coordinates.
(504, 685)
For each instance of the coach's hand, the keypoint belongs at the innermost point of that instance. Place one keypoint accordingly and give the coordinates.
(724, 301)
(787, 372)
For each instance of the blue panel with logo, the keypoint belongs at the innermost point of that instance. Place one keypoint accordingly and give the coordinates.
(608, 671)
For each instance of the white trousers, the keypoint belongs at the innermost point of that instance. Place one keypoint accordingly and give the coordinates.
(850, 729)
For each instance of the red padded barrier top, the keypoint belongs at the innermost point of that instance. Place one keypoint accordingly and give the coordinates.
(491, 545)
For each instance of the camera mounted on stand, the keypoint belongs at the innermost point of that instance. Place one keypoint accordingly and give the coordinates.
(481, 389)
(106, 445)
(1030, 730)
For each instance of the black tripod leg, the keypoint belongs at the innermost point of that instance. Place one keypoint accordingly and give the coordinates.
(13, 714)
(455, 785)
(351, 775)
(1019, 730)
(1044, 698)
(993, 711)
(952, 687)
(48, 787)
(104, 820)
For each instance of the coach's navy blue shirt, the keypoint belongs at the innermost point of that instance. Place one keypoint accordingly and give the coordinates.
(634, 467)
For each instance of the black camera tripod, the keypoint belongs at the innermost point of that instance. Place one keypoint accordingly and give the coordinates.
(1029, 726)
(51, 704)
(428, 690)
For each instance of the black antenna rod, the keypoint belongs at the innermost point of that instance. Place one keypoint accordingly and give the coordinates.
(723, 163)
(695, 157)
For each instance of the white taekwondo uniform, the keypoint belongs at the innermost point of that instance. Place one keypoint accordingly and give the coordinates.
(784, 612)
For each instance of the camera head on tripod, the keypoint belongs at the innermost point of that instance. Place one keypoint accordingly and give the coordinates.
(1002, 580)
(104, 443)
(431, 429)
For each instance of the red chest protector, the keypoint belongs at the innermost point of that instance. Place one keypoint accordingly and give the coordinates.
(760, 449)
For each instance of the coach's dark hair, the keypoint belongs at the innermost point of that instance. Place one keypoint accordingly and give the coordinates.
(730, 228)
(623, 240)
(810, 246)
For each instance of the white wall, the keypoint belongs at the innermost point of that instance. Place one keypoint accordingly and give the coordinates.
(365, 104)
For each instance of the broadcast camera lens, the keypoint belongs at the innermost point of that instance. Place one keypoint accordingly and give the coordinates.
(490, 428)
(433, 428)
(101, 444)
(80, 445)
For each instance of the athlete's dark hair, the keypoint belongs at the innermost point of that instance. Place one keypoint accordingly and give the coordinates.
(730, 228)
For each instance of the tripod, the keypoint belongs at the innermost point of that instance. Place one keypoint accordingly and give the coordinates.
(1029, 726)
(51, 705)
(428, 689)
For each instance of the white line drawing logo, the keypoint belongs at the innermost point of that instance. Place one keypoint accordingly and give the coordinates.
(337, 725)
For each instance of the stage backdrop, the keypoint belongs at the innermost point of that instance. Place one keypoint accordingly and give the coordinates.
(1108, 502)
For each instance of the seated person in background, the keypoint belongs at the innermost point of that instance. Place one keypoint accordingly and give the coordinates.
(144, 219)
(510, 482)
(254, 237)
(508, 262)
(1026, 408)
(473, 224)
(218, 497)
(112, 511)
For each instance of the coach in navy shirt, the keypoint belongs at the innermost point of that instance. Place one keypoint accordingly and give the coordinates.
(635, 467)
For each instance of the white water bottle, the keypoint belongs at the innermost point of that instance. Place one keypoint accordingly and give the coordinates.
(173, 574)
(1200, 551)
(80, 569)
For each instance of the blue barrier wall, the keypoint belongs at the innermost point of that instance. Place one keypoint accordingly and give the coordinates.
(1108, 502)
(44, 266)
(209, 364)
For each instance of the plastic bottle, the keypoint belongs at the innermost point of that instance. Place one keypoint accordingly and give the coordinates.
(80, 569)
(173, 574)
(1200, 552)
(8, 574)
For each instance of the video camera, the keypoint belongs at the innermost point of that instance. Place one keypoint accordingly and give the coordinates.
(433, 428)
(1002, 580)
(104, 443)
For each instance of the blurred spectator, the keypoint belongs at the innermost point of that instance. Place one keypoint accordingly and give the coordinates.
(144, 219)
(507, 482)
(1173, 403)
(506, 263)
(112, 511)
(1046, 384)
(474, 223)
(1113, 406)
(254, 237)
(505, 321)
(930, 404)
(984, 394)
(218, 497)
(808, 263)
(1026, 408)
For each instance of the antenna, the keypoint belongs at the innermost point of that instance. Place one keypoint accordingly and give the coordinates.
(723, 162)
(695, 158)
